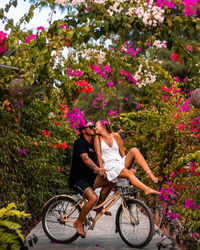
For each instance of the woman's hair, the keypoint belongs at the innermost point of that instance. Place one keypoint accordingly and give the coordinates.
(107, 126)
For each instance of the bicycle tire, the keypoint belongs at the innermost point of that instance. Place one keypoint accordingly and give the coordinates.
(56, 231)
(143, 226)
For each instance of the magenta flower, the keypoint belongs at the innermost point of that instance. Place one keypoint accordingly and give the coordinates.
(172, 174)
(40, 28)
(194, 235)
(29, 38)
(190, 204)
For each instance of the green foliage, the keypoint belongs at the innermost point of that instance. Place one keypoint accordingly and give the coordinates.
(11, 236)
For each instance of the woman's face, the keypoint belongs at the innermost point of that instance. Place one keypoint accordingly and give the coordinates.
(98, 128)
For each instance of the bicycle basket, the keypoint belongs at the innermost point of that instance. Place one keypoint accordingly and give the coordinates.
(128, 190)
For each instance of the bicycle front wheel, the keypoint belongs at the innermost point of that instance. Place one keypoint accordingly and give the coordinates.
(55, 229)
(135, 225)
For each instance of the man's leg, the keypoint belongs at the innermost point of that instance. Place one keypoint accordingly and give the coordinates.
(91, 201)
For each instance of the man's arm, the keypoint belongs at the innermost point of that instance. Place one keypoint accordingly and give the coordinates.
(89, 162)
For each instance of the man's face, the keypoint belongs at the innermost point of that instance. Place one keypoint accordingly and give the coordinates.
(89, 129)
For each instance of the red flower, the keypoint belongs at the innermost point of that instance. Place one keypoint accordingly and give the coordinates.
(44, 132)
(64, 145)
(48, 134)
(182, 170)
(181, 187)
(50, 144)
(174, 57)
(181, 127)
(85, 86)
(58, 168)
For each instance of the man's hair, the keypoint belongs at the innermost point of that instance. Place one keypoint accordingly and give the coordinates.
(81, 127)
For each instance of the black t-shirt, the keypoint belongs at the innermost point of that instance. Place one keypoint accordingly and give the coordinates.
(79, 170)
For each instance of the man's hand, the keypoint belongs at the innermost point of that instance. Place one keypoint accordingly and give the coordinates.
(102, 172)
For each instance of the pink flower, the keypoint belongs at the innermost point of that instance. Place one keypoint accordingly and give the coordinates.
(29, 38)
(63, 26)
(189, 48)
(194, 235)
(172, 174)
(126, 98)
(40, 28)
(181, 127)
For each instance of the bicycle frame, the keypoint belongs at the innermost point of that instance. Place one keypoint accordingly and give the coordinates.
(113, 198)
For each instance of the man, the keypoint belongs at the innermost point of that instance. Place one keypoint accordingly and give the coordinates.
(83, 177)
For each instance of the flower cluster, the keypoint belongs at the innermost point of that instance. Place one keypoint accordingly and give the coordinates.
(7, 104)
(162, 3)
(103, 122)
(109, 84)
(116, 8)
(100, 102)
(44, 132)
(149, 13)
(62, 146)
(23, 151)
(3, 37)
(74, 73)
(190, 204)
(195, 126)
(85, 87)
(128, 49)
(193, 168)
(63, 26)
(29, 38)
(143, 77)
(101, 57)
(76, 118)
(158, 44)
(103, 71)
(113, 113)
(191, 7)
(129, 76)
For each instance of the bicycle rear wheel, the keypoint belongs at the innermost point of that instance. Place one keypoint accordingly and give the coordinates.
(137, 228)
(54, 228)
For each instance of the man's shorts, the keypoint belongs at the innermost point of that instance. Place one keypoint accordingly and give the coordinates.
(84, 183)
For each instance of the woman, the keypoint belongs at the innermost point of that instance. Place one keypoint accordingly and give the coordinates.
(113, 161)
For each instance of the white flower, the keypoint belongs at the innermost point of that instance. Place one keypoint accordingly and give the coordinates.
(54, 53)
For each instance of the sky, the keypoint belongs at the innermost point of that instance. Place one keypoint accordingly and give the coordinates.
(40, 16)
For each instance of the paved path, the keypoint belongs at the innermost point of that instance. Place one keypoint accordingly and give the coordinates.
(102, 237)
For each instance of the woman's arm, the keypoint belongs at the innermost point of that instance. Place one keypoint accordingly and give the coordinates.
(120, 144)
(97, 148)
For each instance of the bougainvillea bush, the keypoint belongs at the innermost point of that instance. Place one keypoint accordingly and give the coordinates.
(167, 131)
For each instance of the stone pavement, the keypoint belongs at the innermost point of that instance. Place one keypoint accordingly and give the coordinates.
(102, 237)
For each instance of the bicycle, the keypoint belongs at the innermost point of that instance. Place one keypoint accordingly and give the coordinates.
(134, 221)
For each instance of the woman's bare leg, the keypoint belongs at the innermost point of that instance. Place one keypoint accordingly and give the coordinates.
(135, 155)
(105, 191)
(128, 174)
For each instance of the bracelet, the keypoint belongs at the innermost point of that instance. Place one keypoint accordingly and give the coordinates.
(148, 172)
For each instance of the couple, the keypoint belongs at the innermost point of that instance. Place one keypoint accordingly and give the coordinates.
(99, 143)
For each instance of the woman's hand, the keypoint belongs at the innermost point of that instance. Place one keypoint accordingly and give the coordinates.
(102, 172)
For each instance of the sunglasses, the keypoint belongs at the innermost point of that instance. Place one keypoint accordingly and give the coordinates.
(90, 126)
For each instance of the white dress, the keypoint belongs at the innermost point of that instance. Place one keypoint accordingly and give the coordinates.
(112, 160)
